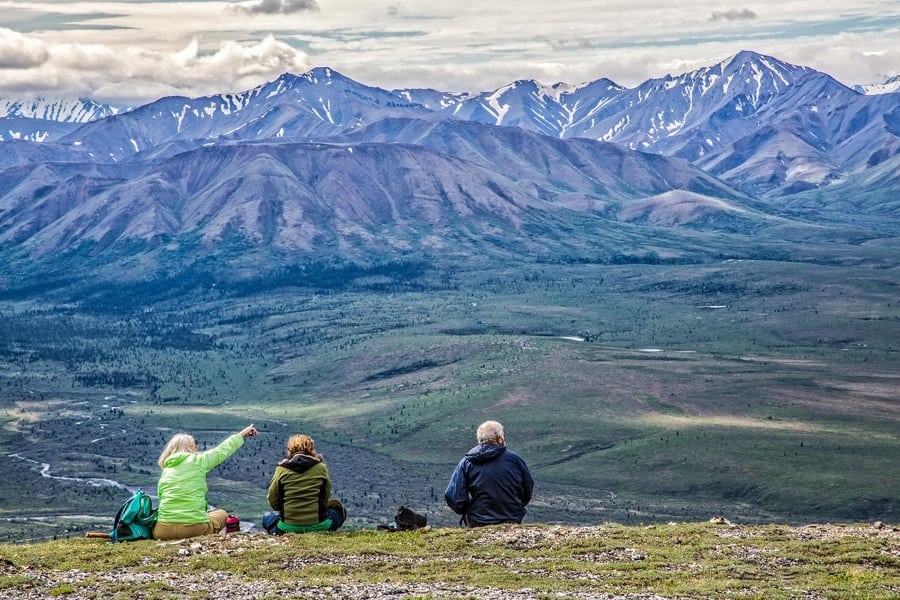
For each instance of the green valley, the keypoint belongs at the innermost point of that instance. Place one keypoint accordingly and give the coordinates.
(765, 390)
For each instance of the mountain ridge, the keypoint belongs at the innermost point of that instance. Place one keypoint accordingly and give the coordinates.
(744, 144)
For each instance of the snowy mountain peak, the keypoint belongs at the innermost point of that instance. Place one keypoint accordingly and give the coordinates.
(765, 74)
(745, 57)
(323, 75)
(288, 82)
(602, 84)
(527, 87)
(63, 109)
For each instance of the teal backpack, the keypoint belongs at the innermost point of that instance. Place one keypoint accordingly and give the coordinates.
(135, 520)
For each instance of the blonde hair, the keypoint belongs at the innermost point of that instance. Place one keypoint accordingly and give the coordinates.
(180, 442)
(489, 432)
(302, 444)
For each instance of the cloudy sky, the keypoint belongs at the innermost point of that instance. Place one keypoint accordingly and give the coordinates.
(120, 50)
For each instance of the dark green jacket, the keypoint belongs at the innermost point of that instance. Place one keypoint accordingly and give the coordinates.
(299, 490)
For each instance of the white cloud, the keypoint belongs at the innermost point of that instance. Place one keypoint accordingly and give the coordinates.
(849, 57)
(145, 49)
(135, 73)
(20, 52)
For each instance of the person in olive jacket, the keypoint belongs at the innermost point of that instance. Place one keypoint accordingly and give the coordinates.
(491, 484)
(300, 492)
(182, 486)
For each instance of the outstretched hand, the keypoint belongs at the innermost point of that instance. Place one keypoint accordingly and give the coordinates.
(249, 431)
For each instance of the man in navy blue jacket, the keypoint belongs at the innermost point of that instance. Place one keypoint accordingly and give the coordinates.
(491, 484)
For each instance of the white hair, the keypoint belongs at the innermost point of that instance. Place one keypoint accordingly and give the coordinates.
(490, 432)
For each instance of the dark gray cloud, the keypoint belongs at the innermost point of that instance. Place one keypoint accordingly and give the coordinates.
(278, 7)
(745, 14)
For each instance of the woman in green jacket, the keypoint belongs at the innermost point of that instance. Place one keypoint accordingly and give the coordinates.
(300, 492)
(182, 486)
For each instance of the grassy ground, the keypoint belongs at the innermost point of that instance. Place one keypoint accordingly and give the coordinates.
(696, 560)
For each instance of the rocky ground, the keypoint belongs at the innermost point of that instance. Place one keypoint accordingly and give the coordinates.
(520, 549)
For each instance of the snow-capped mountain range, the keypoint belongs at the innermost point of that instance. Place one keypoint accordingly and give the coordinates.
(315, 161)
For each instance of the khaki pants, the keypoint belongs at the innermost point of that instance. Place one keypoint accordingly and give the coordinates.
(180, 531)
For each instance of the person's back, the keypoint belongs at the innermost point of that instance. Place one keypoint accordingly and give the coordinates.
(300, 492)
(182, 486)
(491, 484)
(302, 486)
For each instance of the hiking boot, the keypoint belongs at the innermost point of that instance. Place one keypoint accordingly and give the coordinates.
(270, 522)
(336, 504)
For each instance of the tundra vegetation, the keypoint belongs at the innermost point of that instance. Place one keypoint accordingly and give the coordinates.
(522, 562)
(639, 389)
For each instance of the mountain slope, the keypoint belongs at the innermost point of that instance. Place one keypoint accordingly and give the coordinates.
(444, 192)
(317, 104)
(717, 117)
(318, 162)
(47, 119)
(62, 109)
(608, 170)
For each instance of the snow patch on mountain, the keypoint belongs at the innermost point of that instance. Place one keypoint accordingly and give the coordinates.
(64, 109)
(890, 86)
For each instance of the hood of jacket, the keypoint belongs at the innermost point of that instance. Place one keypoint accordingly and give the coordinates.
(299, 463)
(176, 459)
(483, 453)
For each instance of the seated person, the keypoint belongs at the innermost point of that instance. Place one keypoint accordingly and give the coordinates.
(300, 492)
(182, 486)
(491, 484)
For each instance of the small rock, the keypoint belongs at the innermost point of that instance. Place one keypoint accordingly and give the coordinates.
(196, 547)
(878, 525)
(184, 552)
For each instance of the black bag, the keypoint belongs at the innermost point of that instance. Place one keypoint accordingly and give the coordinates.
(408, 520)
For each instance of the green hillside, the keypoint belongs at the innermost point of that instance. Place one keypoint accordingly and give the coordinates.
(764, 390)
